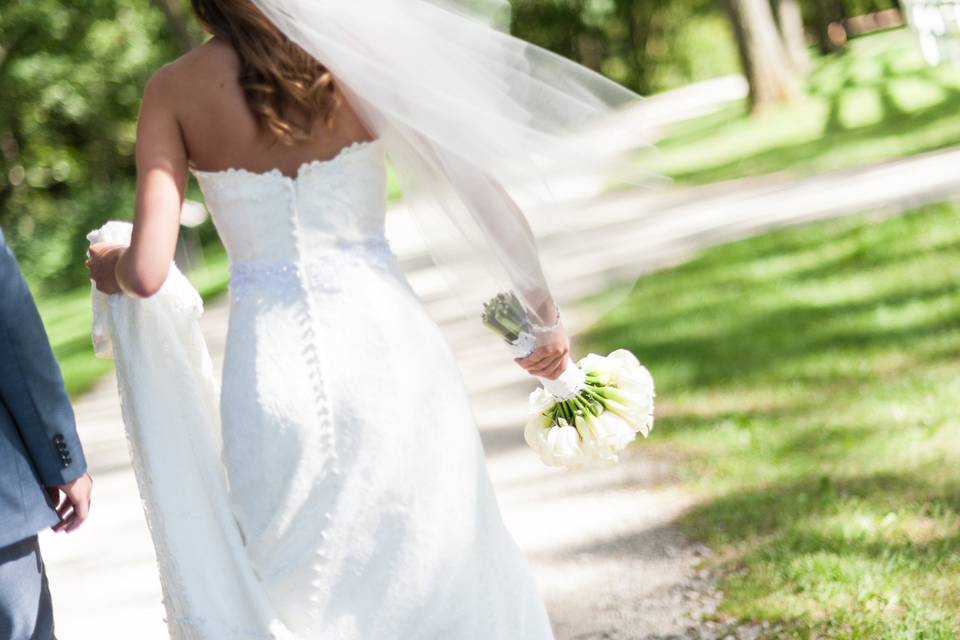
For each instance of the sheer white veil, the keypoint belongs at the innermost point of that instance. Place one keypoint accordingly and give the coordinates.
(468, 114)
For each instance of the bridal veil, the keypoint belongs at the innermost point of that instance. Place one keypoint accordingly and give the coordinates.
(468, 113)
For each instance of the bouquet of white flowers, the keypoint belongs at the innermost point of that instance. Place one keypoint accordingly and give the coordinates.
(593, 410)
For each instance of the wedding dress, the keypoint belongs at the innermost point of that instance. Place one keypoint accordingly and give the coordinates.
(353, 500)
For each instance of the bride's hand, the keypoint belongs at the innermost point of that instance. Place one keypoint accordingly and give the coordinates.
(549, 359)
(103, 266)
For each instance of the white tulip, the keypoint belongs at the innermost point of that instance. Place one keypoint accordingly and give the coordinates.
(633, 386)
(561, 447)
(603, 438)
(636, 409)
(535, 432)
(645, 425)
(627, 372)
(595, 362)
(622, 357)
(613, 431)
(540, 401)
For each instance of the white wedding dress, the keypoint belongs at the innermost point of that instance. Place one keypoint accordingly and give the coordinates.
(358, 503)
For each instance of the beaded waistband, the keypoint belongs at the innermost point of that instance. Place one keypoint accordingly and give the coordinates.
(321, 270)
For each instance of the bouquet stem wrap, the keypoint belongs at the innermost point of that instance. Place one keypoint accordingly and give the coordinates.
(569, 384)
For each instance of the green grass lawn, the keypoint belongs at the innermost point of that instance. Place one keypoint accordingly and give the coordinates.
(67, 320)
(808, 388)
(877, 101)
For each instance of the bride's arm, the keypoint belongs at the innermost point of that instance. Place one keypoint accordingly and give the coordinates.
(507, 230)
(161, 157)
(516, 246)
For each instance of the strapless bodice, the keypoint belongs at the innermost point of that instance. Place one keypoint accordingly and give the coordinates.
(273, 218)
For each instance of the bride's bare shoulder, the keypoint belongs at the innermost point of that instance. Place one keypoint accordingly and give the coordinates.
(210, 62)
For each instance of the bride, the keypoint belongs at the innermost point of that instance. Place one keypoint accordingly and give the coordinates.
(355, 471)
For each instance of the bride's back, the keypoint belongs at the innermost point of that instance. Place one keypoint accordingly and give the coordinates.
(220, 130)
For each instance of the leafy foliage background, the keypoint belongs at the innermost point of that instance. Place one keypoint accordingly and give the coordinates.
(71, 76)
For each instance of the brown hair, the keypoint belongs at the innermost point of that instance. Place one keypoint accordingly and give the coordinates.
(276, 75)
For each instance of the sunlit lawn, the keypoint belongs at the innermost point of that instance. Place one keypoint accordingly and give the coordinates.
(877, 101)
(67, 320)
(809, 387)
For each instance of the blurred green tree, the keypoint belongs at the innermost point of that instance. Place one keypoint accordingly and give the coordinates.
(647, 45)
(71, 75)
(180, 23)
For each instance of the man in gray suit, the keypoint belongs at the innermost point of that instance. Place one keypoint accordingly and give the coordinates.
(43, 473)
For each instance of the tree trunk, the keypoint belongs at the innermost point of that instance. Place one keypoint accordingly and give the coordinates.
(827, 12)
(762, 54)
(638, 18)
(790, 21)
(178, 23)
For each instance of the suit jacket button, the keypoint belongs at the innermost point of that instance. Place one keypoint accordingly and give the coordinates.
(58, 437)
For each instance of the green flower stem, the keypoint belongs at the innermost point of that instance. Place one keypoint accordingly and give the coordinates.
(611, 400)
(505, 315)
(612, 393)
(583, 403)
(587, 422)
(621, 410)
(552, 417)
(603, 378)
(595, 398)
(595, 395)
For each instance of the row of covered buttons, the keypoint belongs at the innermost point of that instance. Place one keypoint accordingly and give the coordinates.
(63, 450)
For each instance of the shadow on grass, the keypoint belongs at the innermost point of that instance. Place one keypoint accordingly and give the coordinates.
(808, 404)
(859, 258)
(758, 512)
(744, 345)
(798, 541)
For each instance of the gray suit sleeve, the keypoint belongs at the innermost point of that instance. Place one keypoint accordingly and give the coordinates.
(31, 385)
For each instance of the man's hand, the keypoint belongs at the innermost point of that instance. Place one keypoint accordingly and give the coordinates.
(73, 502)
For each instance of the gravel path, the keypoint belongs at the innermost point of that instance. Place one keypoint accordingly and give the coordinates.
(608, 559)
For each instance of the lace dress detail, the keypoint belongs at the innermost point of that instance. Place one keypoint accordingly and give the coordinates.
(351, 499)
